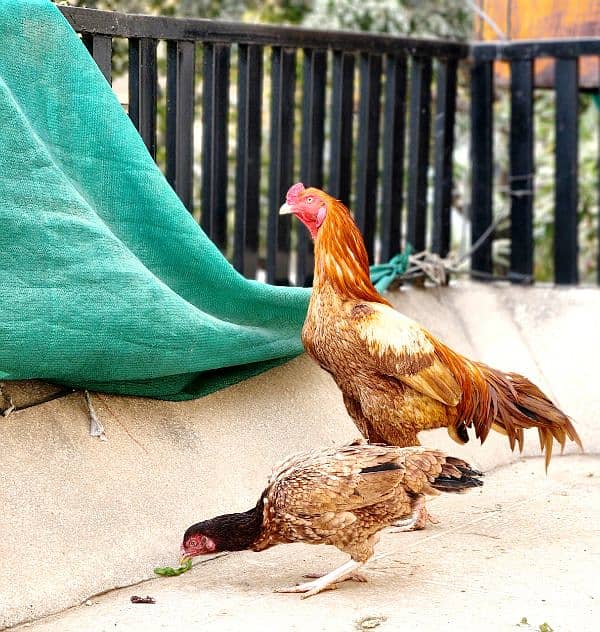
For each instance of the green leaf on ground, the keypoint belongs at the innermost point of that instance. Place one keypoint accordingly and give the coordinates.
(169, 571)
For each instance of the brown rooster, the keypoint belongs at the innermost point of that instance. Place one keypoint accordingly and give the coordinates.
(397, 378)
(340, 496)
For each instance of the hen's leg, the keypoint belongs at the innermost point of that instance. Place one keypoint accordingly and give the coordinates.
(419, 518)
(326, 582)
(423, 518)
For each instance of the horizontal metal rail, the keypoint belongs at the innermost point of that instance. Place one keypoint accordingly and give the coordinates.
(196, 29)
(530, 49)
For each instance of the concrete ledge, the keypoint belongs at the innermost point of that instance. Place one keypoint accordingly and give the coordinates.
(81, 516)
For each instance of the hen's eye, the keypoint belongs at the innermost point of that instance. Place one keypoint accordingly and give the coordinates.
(309, 200)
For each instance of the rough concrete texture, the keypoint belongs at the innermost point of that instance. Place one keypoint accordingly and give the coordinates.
(523, 548)
(81, 516)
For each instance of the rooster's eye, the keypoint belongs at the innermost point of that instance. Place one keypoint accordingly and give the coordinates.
(309, 200)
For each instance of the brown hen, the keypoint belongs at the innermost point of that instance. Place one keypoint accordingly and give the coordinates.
(340, 496)
(397, 378)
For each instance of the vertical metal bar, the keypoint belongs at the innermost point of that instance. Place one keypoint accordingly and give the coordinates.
(481, 162)
(368, 141)
(142, 89)
(180, 119)
(247, 206)
(87, 39)
(311, 150)
(394, 128)
(418, 155)
(444, 147)
(214, 142)
(172, 98)
(521, 169)
(283, 85)
(207, 138)
(100, 48)
(133, 108)
(342, 106)
(566, 84)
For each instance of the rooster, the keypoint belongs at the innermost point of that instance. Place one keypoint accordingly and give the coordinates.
(396, 377)
(340, 496)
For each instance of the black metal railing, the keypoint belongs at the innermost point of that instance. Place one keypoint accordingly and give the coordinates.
(351, 112)
(348, 93)
(521, 56)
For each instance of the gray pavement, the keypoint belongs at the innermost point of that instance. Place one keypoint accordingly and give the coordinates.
(524, 547)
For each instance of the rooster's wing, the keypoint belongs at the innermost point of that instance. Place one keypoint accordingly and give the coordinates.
(401, 348)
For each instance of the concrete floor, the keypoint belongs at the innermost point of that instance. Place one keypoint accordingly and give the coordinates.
(524, 547)
(80, 516)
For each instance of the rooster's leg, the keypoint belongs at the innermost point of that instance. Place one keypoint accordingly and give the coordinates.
(326, 582)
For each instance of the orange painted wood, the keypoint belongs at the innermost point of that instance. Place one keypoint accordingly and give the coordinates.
(542, 19)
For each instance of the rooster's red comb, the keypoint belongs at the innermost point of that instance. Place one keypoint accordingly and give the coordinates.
(294, 192)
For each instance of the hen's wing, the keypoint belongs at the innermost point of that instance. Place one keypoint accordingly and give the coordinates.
(401, 348)
(351, 477)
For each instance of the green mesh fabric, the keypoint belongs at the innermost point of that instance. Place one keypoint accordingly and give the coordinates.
(106, 280)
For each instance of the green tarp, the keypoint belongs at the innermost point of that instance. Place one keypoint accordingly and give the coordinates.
(106, 281)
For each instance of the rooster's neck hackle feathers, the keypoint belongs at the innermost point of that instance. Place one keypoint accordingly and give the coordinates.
(341, 257)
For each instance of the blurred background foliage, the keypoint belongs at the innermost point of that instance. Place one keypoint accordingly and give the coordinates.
(450, 19)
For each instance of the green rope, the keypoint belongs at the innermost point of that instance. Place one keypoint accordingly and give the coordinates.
(384, 274)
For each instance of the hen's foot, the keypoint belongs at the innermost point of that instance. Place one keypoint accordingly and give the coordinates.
(326, 582)
(354, 576)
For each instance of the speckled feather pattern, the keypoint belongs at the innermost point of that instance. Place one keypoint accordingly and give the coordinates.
(327, 497)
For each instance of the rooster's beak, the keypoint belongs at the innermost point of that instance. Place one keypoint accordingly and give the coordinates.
(286, 209)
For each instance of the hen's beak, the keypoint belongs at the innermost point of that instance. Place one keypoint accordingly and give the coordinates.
(183, 556)
(285, 209)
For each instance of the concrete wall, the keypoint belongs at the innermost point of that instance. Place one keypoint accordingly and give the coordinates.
(80, 516)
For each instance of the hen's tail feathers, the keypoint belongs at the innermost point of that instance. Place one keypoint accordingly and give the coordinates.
(506, 402)
(457, 476)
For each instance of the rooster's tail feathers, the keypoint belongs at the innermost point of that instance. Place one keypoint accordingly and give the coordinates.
(510, 403)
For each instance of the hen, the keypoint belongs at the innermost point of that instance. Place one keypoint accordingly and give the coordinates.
(340, 496)
(397, 378)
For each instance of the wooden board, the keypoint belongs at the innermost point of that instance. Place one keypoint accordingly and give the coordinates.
(542, 19)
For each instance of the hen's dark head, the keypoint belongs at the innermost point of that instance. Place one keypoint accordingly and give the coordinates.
(197, 542)
(230, 532)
